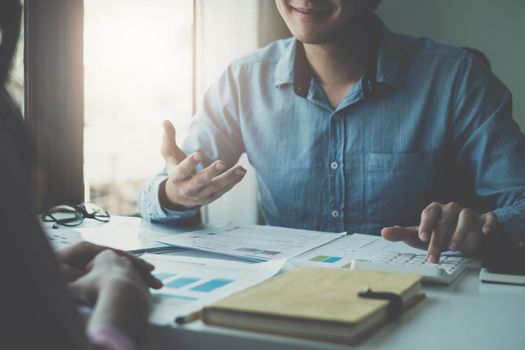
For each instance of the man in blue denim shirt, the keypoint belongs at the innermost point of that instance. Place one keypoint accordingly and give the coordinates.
(353, 128)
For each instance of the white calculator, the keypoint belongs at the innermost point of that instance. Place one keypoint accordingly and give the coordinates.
(445, 271)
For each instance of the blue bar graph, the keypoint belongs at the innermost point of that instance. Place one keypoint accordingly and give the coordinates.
(181, 282)
(163, 275)
(183, 297)
(212, 285)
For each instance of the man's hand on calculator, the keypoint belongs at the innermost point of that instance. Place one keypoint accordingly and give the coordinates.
(446, 227)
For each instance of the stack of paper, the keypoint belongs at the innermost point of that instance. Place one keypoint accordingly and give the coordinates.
(252, 242)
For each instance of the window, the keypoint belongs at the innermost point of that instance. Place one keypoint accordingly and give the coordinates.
(138, 72)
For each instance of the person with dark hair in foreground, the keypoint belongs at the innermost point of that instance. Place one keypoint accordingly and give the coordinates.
(37, 298)
(351, 127)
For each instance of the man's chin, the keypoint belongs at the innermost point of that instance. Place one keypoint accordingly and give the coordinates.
(314, 38)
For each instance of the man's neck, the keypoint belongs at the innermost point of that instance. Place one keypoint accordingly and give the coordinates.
(334, 64)
(339, 64)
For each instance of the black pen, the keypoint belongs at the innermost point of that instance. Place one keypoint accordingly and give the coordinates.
(194, 316)
(154, 250)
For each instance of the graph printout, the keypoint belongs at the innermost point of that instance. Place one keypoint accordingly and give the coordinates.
(341, 253)
(191, 283)
(253, 242)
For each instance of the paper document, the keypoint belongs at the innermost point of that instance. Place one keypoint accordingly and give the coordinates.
(62, 237)
(123, 233)
(192, 283)
(252, 241)
(341, 252)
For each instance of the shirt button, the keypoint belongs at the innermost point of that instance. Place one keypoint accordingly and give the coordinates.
(334, 165)
(335, 214)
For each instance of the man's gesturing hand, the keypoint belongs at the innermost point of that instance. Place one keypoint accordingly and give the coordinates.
(446, 227)
(185, 188)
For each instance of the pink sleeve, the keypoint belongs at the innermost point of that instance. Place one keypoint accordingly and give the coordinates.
(110, 338)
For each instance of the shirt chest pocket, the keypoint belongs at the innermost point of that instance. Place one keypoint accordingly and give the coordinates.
(399, 185)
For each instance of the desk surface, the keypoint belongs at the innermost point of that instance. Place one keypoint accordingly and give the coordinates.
(467, 314)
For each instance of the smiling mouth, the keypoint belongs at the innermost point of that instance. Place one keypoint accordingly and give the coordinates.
(310, 11)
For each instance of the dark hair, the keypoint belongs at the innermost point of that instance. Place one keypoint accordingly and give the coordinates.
(479, 55)
(10, 17)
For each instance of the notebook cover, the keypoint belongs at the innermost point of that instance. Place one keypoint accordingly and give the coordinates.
(318, 294)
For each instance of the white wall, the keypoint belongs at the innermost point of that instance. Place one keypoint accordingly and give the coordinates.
(495, 27)
(226, 29)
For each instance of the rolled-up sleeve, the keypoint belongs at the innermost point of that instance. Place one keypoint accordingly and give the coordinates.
(150, 207)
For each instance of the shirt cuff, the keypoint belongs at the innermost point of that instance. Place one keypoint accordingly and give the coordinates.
(110, 338)
(513, 221)
(154, 210)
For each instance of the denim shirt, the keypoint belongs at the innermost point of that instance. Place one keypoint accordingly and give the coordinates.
(430, 124)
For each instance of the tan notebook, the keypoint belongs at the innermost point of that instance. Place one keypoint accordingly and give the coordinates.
(321, 304)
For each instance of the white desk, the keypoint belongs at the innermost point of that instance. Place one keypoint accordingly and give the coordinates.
(465, 315)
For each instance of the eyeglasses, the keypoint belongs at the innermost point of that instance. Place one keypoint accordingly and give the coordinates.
(67, 215)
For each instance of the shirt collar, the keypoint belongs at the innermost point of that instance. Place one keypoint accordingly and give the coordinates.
(387, 65)
(390, 64)
(284, 71)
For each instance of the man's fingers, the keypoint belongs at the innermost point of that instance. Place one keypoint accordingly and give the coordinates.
(204, 178)
(185, 168)
(208, 184)
(223, 183)
(435, 246)
(170, 151)
(445, 226)
(409, 235)
(491, 223)
(429, 218)
(467, 221)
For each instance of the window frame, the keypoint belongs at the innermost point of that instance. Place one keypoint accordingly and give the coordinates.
(54, 96)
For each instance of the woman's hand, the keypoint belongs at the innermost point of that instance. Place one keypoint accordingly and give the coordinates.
(76, 260)
(118, 291)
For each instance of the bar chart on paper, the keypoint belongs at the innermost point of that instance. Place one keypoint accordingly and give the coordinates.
(326, 259)
(191, 283)
(367, 252)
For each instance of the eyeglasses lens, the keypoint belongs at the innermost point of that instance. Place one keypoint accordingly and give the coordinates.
(65, 215)
(95, 211)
